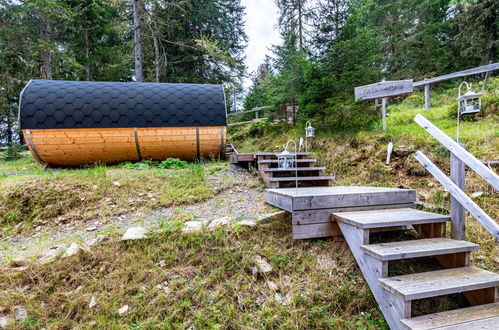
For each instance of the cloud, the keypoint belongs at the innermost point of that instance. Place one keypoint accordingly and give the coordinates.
(261, 28)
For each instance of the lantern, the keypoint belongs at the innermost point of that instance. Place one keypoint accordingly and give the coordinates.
(468, 103)
(286, 160)
(309, 130)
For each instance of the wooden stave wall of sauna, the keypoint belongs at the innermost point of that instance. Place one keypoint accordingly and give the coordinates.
(83, 146)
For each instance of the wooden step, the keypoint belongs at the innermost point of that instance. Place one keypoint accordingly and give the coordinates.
(275, 153)
(274, 161)
(476, 317)
(418, 248)
(302, 178)
(440, 282)
(275, 169)
(389, 218)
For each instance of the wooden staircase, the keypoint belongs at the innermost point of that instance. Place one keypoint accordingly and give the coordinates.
(395, 294)
(305, 174)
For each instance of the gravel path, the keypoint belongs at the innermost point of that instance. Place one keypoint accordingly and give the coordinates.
(242, 201)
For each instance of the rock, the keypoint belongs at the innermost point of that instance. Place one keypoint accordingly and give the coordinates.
(73, 249)
(92, 228)
(477, 194)
(117, 183)
(247, 223)
(4, 322)
(192, 226)
(403, 151)
(270, 217)
(18, 262)
(134, 233)
(97, 240)
(123, 310)
(162, 263)
(220, 222)
(481, 258)
(92, 302)
(278, 298)
(272, 286)
(21, 313)
(51, 254)
(164, 286)
(262, 265)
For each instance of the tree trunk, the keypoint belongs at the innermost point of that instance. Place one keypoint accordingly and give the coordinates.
(492, 32)
(88, 75)
(300, 23)
(139, 77)
(9, 128)
(46, 54)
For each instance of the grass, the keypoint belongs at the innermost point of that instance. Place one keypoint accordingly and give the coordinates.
(209, 284)
(99, 191)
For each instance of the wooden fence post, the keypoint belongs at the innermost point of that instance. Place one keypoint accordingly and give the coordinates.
(427, 96)
(383, 109)
(458, 216)
(256, 114)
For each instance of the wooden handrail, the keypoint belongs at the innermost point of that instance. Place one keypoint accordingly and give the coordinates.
(482, 170)
(464, 73)
(459, 195)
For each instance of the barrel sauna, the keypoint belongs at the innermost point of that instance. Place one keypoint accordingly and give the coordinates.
(72, 123)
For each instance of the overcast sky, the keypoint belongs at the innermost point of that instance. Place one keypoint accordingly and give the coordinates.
(261, 28)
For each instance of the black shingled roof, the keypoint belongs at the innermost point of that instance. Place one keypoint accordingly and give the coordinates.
(46, 104)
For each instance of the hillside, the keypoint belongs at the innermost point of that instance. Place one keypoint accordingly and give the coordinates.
(214, 278)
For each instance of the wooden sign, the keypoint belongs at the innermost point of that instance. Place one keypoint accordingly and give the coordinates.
(383, 89)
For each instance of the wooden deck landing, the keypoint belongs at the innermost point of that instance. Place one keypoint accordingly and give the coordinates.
(311, 208)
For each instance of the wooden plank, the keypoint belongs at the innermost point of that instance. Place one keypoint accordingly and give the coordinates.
(460, 196)
(302, 178)
(393, 307)
(464, 73)
(317, 230)
(418, 248)
(275, 161)
(440, 282)
(383, 89)
(275, 169)
(282, 202)
(275, 153)
(486, 173)
(458, 216)
(304, 217)
(454, 319)
(389, 218)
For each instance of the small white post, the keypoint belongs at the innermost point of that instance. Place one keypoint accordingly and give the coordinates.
(427, 96)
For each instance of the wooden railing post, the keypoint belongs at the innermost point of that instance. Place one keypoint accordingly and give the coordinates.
(458, 216)
(427, 96)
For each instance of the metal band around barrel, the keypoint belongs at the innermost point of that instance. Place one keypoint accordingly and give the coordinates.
(222, 146)
(198, 153)
(137, 146)
(33, 148)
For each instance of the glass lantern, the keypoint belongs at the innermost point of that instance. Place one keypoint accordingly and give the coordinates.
(468, 103)
(309, 130)
(286, 159)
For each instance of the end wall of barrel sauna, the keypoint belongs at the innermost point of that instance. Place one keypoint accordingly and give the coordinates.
(73, 123)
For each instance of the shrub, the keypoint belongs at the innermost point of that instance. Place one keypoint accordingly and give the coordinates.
(172, 163)
(13, 151)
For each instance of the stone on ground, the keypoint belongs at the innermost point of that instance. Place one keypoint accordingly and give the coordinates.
(51, 254)
(247, 223)
(123, 310)
(262, 265)
(270, 217)
(4, 322)
(134, 233)
(220, 222)
(97, 240)
(192, 226)
(21, 313)
(73, 249)
(92, 302)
